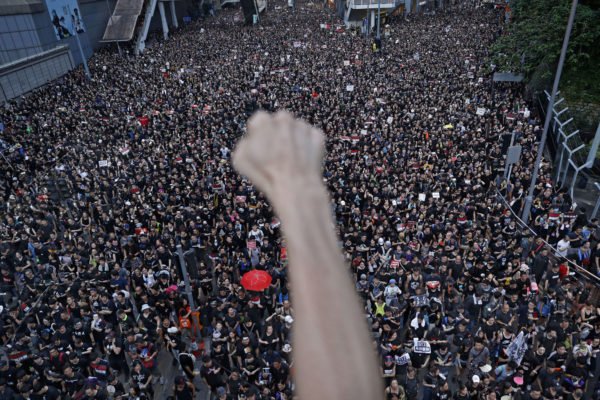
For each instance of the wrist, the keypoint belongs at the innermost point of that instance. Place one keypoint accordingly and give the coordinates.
(301, 189)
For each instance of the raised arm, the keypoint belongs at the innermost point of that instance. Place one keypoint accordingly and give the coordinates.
(334, 357)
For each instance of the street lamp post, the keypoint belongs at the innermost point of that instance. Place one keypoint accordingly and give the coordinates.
(538, 160)
(186, 281)
(378, 19)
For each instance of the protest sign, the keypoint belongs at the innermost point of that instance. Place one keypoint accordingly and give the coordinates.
(517, 348)
(421, 347)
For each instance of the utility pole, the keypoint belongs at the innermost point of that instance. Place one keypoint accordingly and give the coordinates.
(57, 185)
(536, 168)
(378, 21)
(188, 288)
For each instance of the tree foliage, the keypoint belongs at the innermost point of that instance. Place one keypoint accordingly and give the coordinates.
(536, 33)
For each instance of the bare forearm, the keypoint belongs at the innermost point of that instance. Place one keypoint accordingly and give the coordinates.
(283, 157)
(330, 328)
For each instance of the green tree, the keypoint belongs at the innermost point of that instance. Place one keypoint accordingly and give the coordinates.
(534, 38)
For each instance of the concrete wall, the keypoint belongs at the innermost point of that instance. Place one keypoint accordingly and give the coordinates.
(26, 31)
(30, 53)
(31, 72)
(18, 37)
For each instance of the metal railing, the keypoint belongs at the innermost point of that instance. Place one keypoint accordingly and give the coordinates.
(579, 270)
(570, 151)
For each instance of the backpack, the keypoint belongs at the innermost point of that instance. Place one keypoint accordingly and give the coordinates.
(544, 308)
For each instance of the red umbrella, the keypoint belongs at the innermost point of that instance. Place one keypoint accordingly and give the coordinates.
(256, 280)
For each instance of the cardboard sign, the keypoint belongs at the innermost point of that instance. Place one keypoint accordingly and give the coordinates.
(480, 111)
(421, 347)
(240, 199)
(403, 359)
(389, 120)
(422, 196)
(251, 244)
(394, 264)
(350, 88)
(346, 63)
(103, 163)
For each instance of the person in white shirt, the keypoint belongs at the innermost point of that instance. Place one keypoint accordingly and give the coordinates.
(391, 294)
(256, 234)
(563, 246)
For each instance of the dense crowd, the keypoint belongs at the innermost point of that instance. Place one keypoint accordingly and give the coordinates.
(462, 303)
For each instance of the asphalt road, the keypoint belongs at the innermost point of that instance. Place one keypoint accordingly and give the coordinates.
(165, 363)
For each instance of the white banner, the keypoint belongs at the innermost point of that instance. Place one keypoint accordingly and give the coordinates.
(517, 348)
(65, 18)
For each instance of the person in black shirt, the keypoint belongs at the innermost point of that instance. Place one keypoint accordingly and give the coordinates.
(99, 368)
(115, 388)
(549, 375)
(430, 383)
(44, 392)
(81, 331)
(71, 381)
(183, 389)
(280, 371)
(91, 392)
(410, 384)
(444, 392)
(116, 353)
(551, 278)
(6, 393)
(576, 375)
(186, 360)
(210, 374)
(141, 378)
(79, 363)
